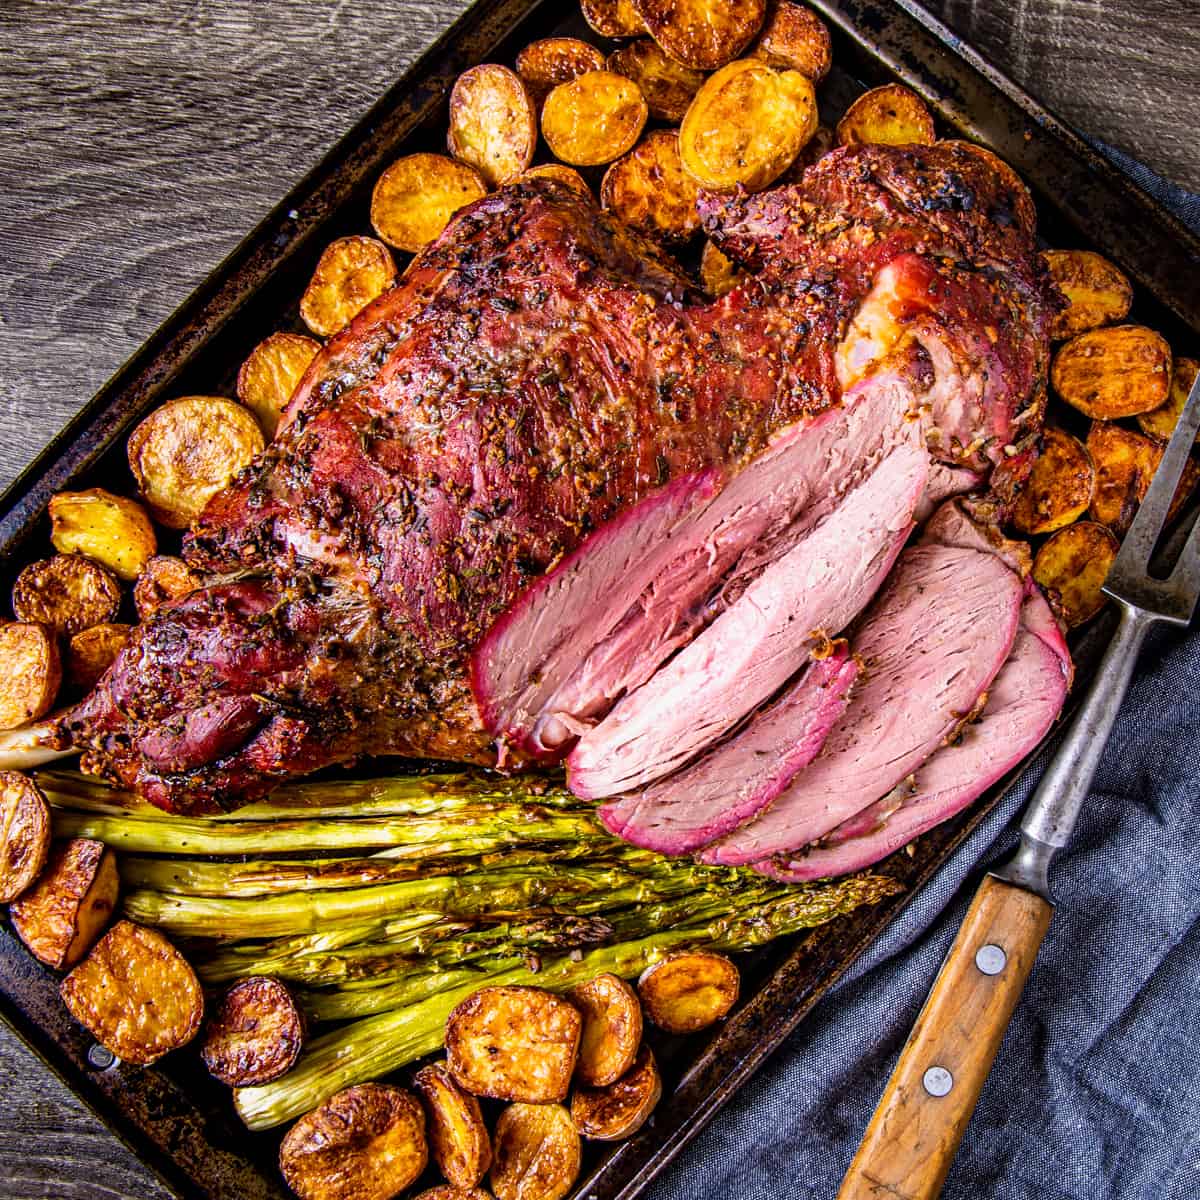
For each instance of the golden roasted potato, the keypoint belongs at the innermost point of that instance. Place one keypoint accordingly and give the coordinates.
(448, 1191)
(612, 18)
(493, 123)
(24, 834)
(544, 64)
(255, 1034)
(30, 672)
(513, 1043)
(1074, 564)
(537, 1153)
(620, 1109)
(689, 991)
(795, 37)
(746, 125)
(91, 652)
(1097, 293)
(113, 530)
(705, 34)
(667, 86)
(270, 375)
(417, 195)
(612, 1029)
(593, 119)
(563, 174)
(1117, 371)
(1060, 486)
(458, 1138)
(67, 593)
(892, 115)
(351, 272)
(62, 915)
(1125, 464)
(364, 1143)
(136, 994)
(718, 273)
(165, 579)
(1160, 422)
(187, 450)
(649, 190)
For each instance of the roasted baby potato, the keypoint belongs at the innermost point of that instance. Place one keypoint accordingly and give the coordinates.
(493, 123)
(30, 672)
(1060, 486)
(417, 195)
(718, 273)
(612, 1029)
(563, 174)
(1160, 422)
(667, 86)
(795, 37)
(187, 450)
(1074, 564)
(650, 191)
(537, 1153)
(1117, 371)
(364, 1143)
(1125, 464)
(165, 578)
(593, 119)
(891, 115)
(136, 994)
(67, 593)
(746, 125)
(255, 1034)
(62, 915)
(612, 18)
(270, 375)
(91, 652)
(619, 1110)
(1097, 293)
(351, 272)
(689, 991)
(544, 64)
(458, 1138)
(113, 530)
(705, 34)
(448, 1191)
(513, 1043)
(24, 834)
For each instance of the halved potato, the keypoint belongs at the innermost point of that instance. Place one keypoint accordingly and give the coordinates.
(1117, 371)
(417, 195)
(458, 1137)
(892, 115)
(1097, 292)
(747, 124)
(593, 119)
(351, 272)
(705, 34)
(619, 1110)
(668, 86)
(67, 593)
(718, 273)
(493, 123)
(689, 991)
(513, 1043)
(91, 652)
(612, 1029)
(24, 834)
(650, 191)
(62, 915)
(1060, 486)
(30, 672)
(255, 1034)
(612, 18)
(113, 530)
(136, 994)
(1160, 422)
(537, 1153)
(447, 1191)
(1125, 465)
(795, 37)
(270, 374)
(544, 64)
(165, 578)
(1074, 563)
(364, 1143)
(563, 174)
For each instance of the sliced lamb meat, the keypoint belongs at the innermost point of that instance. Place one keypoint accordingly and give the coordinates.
(738, 778)
(818, 587)
(931, 643)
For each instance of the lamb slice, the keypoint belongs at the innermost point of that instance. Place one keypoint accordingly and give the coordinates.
(1023, 702)
(932, 643)
(739, 777)
(760, 641)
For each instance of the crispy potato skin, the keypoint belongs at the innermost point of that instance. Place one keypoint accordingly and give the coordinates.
(892, 115)
(667, 86)
(66, 593)
(718, 272)
(795, 37)
(255, 1034)
(351, 272)
(1097, 292)
(620, 1109)
(24, 834)
(364, 1143)
(1117, 371)
(269, 375)
(417, 195)
(91, 652)
(537, 1153)
(165, 579)
(651, 192)
(544, 64)
(612, 18)
(136, 994)
(1125, 464)
(62, 915)
(1160, 422)
(1059, 489)
(593, 119)
(514, 1043)
(689, 991)
(30, 672)
(458, 1138)
(705, 34)
(493, 123)
(612, 1029)
(563, 174)
(1073, 564)
(113, 530)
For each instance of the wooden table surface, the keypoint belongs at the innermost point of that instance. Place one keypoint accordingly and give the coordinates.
(142, 138)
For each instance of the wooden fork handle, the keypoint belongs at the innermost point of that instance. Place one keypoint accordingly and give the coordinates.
(915, 1132)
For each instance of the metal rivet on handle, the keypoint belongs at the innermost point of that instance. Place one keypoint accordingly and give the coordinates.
(100, 1057)
(990, 959)
(938, 1081)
